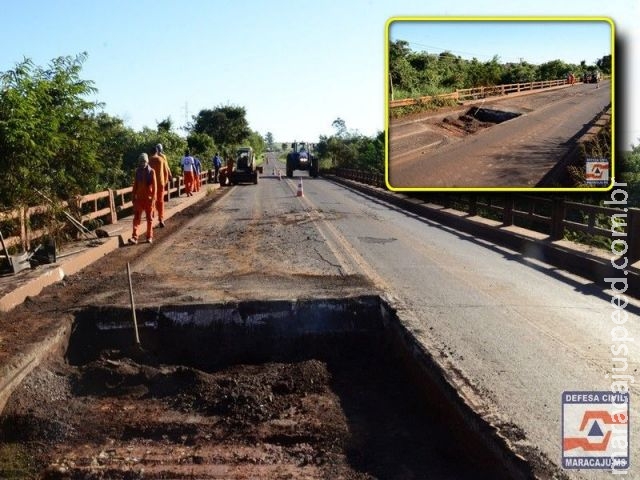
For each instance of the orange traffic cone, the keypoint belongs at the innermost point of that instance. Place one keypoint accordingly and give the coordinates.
(300, 192)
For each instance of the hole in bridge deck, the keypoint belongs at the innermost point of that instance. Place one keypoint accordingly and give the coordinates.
(478, 118)
(320, 389)
(491, 115)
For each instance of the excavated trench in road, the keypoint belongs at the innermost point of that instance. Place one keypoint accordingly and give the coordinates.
(331, 388)
(478, 118)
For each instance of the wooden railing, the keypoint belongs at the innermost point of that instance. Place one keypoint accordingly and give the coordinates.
(480, 92)
(105, 207)
(370, 178)
(555, 217)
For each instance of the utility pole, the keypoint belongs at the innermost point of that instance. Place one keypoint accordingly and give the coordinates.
(186, 114)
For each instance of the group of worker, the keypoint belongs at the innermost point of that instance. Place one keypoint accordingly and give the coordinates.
(191, 170)
(149, 183)
(150, 180)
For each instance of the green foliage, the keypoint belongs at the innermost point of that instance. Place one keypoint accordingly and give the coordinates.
(522, 72)
(55, 139)
(414, 74)
(341, 127)
(351, 150)
(422, 106)
(165, 125)
(554, 70)
(268, 139)
(48, 136)
(201, 145)
(226, 125)
(628, 171)
(120, 147)
(604, 64)
(257, 143)
(115, 141)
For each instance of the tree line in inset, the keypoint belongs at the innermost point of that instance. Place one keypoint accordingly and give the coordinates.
(421, 74)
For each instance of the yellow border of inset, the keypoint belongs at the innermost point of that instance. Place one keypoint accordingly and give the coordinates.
(497, 19)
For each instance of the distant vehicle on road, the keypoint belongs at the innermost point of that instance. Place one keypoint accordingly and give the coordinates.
(301, 159)
(592, 76)
(243, 169)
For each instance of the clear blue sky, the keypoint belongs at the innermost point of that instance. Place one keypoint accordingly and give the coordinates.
(294, 65)
(533, 41)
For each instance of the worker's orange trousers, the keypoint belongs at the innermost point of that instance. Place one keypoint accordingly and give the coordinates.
(138, 209)
(188, 182)
(160, 203)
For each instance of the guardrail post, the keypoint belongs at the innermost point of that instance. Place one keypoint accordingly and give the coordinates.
(633, 235)
(112, 207)
(558, 211)
(473, 205)
(507, 211)
(24, 221)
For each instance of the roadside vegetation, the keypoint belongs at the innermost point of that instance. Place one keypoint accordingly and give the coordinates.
(351, 149)
(418, 74)
(344, 149)
(54, 139)
(422, 106)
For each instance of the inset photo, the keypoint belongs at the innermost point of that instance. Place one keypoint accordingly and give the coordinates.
(499, 104)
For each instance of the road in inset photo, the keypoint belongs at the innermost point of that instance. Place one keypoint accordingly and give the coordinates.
(498, 104)
(466, 148)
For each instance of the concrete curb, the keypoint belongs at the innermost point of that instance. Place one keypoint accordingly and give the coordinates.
(595, 266)
(69, 266)
(20, 365)
(38, 280)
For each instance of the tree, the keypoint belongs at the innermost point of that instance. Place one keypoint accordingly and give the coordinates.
(553, 70)
(604, 64)
(226, 125)
(257, 143)
(522, 72)
(165, 125)
(115, 140)
(48, 133)
(493, 71)
(402, 73)
(341, 127)
(201, 144)
(351, 150)
(268, 138)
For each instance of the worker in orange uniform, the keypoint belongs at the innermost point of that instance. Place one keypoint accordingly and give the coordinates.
(143, 196)
(197, 181)
(160, 166)
(188, 172)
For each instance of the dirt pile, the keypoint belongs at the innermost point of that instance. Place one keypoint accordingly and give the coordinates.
(466, 124)
(352, 415)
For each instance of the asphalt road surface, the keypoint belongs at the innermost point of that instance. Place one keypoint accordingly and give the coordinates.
(515, 153)
(511, 333)
(517, 333)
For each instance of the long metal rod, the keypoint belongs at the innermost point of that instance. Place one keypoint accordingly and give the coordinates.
(70, 217)
(133, 307)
